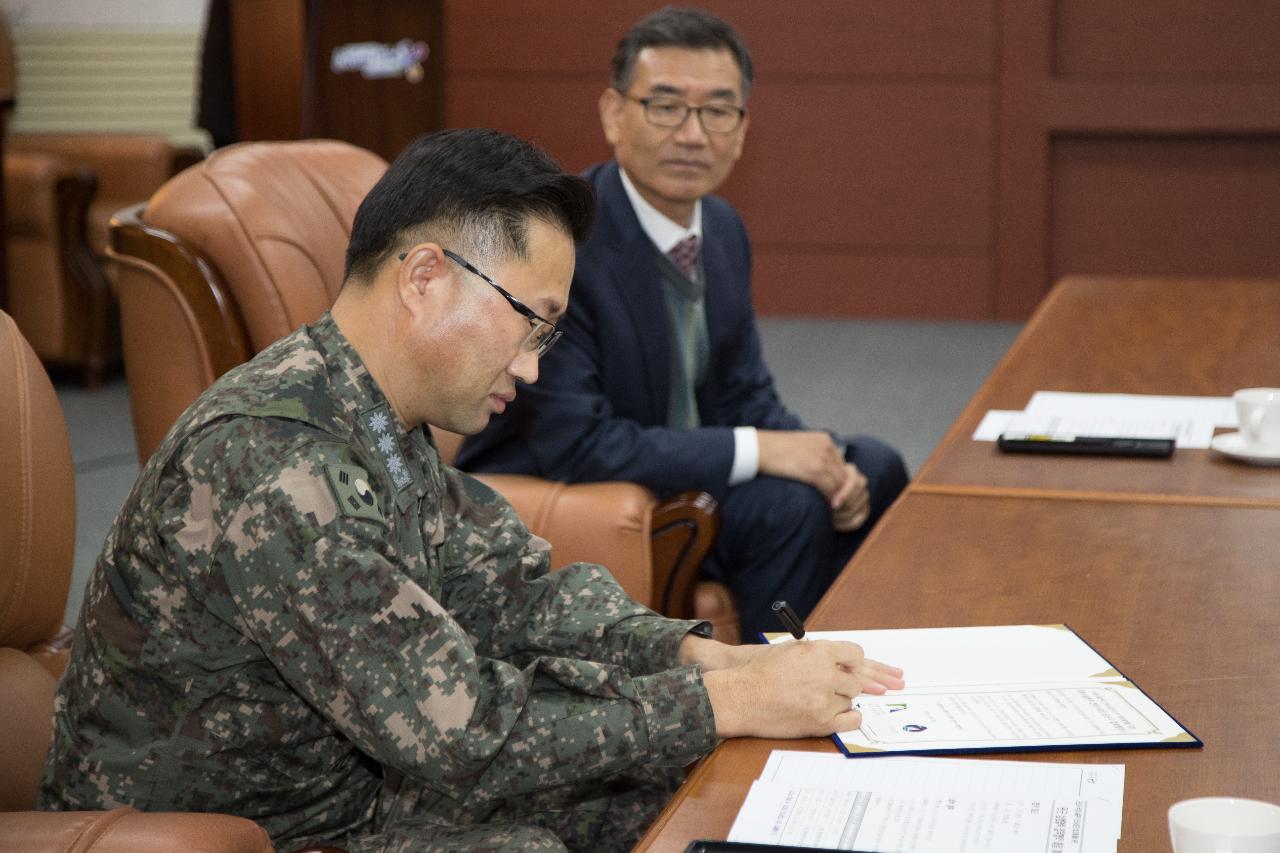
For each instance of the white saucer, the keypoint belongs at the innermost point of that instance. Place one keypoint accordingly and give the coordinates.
(1232, 444)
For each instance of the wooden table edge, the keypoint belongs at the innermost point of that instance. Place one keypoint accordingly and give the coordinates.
(1099, 496)
(682, 793)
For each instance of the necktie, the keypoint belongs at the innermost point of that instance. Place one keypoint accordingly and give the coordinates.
(689, 316)
(685, 255)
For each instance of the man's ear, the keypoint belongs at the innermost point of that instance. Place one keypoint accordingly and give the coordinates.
(742, 136)
(419, 279)
(611, 104)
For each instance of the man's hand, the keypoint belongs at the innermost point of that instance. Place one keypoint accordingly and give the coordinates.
(808, 456)
(851, 506)
(813, 458)
(801, 689)
(713, 655)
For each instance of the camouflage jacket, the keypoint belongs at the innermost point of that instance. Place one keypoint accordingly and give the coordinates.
(299, 601)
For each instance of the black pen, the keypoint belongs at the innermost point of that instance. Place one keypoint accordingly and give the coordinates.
(789, 619)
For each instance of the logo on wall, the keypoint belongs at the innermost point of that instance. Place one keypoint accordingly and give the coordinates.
(378, 61)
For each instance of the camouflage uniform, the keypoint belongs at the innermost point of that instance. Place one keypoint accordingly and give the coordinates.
(302, 617)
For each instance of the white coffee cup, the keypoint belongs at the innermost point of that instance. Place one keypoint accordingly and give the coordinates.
(1224, 825)
(1259, 413)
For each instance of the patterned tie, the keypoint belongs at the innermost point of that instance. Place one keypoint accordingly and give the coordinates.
(690, 338)
(685, 255)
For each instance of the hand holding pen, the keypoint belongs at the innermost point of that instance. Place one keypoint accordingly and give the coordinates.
(877, 678)
(799, 689)
(789, 619)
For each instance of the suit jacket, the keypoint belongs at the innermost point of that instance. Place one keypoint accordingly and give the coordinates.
(599, 409)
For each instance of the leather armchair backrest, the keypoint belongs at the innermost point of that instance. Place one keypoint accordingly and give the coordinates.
(37, 502)
(274, 218)
(37, 543)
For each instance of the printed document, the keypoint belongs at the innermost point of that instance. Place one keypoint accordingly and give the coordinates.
(999, 688)
(930, 805)
(1190, 421)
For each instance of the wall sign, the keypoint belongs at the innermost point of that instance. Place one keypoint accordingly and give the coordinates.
(379, 61)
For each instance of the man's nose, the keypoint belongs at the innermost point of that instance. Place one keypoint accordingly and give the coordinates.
(691, 132)
(524, 366)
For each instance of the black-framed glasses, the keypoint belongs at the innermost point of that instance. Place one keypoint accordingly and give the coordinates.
(666, 111)
(542, 333)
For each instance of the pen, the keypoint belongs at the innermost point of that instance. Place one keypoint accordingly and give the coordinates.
(789, 619)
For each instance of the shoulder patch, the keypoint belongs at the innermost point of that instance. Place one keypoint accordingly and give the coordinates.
(353, 493)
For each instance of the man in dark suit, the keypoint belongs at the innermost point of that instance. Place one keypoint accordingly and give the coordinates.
(659, 379)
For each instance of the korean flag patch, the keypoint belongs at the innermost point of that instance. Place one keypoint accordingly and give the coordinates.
(353, 493)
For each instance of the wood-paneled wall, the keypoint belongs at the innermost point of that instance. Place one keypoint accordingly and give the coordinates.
(929, 159)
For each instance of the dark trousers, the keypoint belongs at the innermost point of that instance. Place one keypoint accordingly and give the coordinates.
(776, 540)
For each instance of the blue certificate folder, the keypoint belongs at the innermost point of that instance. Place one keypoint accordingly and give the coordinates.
(1001, 688)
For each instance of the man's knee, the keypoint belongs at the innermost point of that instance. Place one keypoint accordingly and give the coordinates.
(773, 507)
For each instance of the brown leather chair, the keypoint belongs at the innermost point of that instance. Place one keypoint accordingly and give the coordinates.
(61, 190)
(37, 543)
(8, 92)
(245, 246)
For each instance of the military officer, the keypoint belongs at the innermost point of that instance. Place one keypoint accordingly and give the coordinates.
(302, 617)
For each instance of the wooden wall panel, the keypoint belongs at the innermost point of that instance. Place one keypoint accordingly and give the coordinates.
(889, 165)
(915, 158)
(269, 104)
(1188, 39)
(1175, 206)
(1136, 137)
(868, 177)
(822, 37)
(573, 136)
(286, 88)
(382, 115)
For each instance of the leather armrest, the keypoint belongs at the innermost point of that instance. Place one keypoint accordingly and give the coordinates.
(125, 830)
(604, 523)
(54, 652)
(130, 167)
(62, 302)
(684, 526)
(36, 185)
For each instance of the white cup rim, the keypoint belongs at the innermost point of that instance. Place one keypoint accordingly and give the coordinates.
(1257, 395)
(1263, 806)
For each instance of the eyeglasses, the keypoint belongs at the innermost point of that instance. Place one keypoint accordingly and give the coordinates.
(542, 333)
(663, 111)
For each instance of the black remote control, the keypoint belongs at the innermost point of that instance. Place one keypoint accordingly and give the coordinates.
(1088, 445)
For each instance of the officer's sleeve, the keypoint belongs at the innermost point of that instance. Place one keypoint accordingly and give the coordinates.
(497, 585)
(324, 595)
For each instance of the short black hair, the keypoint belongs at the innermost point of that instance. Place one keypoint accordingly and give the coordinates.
(478, 187)
(674, 26)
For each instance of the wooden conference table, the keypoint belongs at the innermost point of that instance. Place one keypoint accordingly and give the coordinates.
(1130, 335)
(1170, 573)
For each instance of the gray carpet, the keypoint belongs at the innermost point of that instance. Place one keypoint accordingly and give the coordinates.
(904, 381)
